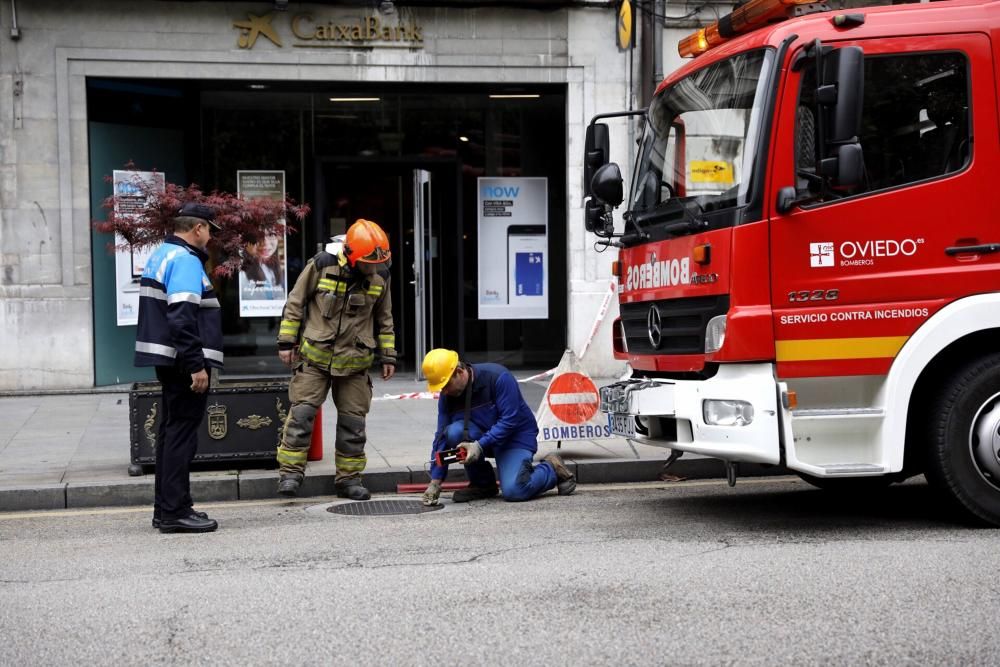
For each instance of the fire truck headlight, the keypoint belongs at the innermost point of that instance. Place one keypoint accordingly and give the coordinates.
(715, 334)
(727, 413)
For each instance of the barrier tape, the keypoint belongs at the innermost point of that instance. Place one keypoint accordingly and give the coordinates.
(601, 314)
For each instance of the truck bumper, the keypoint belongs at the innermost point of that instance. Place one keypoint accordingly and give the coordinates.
(672, 413)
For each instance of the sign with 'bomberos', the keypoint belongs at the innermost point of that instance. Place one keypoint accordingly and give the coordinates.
(570, 407)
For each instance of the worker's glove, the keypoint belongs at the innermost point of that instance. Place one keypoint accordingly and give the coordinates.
(432, 493)
(473, 452)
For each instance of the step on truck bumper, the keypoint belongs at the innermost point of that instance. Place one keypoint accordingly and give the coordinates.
(742, 400)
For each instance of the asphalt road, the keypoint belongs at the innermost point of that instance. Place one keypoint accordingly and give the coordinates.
(771, 572)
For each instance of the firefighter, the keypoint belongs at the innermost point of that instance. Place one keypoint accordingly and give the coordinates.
(327, 335)
(482, 412)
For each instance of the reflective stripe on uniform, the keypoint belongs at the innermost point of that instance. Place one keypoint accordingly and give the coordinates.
(292, 457)
(153, 292)
(155, 348)
(375, 290)
(349, 463)
(312, 353)
(387, 340)
(289, 328)
(325, 358)
(214, 355)
(178, 297)
(352, 362)
(210, 303)
(330, 285)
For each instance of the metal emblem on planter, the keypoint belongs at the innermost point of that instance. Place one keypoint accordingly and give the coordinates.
(254, 422)
(147, 426)
(217, 421)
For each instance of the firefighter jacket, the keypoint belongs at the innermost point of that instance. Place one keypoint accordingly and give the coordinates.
(179, 317)
(332, 313)
(497, 408)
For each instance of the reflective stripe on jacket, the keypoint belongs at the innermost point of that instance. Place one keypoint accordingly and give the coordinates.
(179, 317)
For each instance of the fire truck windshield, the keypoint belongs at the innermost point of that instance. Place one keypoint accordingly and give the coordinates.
(695, 162)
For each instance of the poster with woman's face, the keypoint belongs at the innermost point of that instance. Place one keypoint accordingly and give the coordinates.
(264, 279)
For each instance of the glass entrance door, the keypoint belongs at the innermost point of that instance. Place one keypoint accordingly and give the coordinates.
(424, 247)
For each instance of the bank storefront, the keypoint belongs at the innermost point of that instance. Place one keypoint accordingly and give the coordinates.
(458, 129)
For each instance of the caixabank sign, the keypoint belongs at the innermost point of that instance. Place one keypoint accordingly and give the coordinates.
(313, 30)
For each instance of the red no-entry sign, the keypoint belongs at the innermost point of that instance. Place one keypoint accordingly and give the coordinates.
(573, 398)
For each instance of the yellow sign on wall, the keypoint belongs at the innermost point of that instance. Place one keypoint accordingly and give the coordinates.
(625, 25)
(711, 171)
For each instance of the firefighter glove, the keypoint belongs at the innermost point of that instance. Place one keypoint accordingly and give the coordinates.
(473, 452)
(432, 493)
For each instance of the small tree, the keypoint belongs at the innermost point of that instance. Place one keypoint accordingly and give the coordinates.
(244, 222)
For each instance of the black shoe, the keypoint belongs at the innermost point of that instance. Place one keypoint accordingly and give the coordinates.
(474, 493)
(289, 486)
(157, 521)
(352, 491)
(188, 524)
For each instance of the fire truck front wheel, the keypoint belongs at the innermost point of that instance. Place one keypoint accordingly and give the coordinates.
(963, 453)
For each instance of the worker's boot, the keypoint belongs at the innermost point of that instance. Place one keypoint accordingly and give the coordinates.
(288, 486)
(352, 489)
(567, 480)
(474, 493)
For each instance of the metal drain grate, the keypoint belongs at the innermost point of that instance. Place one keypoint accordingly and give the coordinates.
(382, 508)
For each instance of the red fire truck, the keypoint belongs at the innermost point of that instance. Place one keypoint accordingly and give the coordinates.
(809, 263)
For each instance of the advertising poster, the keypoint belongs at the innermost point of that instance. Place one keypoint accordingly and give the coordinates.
(264, 277)
(513, 248)
(130, 200)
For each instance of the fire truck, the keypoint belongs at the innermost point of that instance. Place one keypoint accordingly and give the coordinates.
(809, 253)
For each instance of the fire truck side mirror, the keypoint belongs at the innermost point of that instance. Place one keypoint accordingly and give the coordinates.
(597, 153)
(607, 185)
(844, 68)
(593, 212)
(850, 166)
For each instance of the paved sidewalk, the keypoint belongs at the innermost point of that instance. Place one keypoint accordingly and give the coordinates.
(72, 450)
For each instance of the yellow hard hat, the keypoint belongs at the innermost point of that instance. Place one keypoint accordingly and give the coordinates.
(439, 364)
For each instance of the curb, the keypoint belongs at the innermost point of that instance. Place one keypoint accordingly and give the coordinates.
(258, 485)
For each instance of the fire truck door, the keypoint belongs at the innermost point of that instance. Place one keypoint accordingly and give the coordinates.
(855, 273)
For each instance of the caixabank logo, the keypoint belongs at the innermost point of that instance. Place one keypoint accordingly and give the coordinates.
(861, 253)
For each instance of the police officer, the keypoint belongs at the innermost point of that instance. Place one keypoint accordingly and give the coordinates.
(482, 411)
(180, 334)
(327, 335)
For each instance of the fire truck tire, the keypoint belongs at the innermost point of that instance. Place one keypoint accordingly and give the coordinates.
(963, 453)
(852, 485)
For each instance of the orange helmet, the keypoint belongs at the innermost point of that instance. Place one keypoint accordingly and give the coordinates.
(366, 242)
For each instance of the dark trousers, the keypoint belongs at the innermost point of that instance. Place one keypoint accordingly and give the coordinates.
(177, 443)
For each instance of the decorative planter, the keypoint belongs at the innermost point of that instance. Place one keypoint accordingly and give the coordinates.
(243, 422)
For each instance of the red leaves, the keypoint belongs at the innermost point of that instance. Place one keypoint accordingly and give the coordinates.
(243, 222)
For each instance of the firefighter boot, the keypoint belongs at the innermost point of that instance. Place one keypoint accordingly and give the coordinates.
(353, 489)
(474, 493)
(567, 480)
(288, 486)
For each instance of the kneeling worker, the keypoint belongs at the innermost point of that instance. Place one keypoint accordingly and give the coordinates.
(327, 335)
(481, 410)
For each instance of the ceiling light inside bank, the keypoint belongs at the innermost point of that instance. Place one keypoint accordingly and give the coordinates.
(355, 99)
(514, 96)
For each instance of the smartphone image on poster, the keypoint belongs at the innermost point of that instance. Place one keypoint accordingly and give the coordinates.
(527, 270)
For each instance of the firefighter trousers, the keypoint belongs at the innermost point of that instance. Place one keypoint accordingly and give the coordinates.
(352, 396)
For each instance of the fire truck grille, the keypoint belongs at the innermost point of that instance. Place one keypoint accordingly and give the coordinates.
(682, 324)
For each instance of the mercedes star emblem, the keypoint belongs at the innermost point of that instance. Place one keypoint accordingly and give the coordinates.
(653, 327)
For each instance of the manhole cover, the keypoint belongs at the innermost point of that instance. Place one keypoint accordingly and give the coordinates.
(382, 508)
